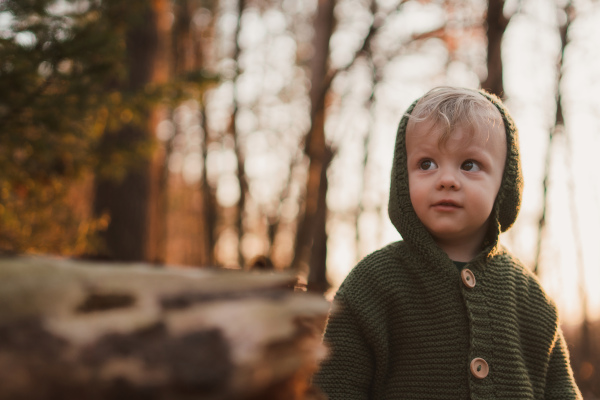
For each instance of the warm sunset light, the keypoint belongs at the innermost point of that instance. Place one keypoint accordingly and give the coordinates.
(260, 134)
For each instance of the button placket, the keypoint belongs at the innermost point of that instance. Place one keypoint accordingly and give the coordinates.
(480, 330)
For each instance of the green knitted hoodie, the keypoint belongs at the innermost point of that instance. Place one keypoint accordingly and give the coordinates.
(405, 326)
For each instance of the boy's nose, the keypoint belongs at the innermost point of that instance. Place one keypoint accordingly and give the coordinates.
(448, 181)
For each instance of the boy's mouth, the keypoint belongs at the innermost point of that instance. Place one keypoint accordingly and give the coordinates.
(446, 204)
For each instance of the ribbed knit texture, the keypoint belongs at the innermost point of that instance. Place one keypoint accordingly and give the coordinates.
(404, 326)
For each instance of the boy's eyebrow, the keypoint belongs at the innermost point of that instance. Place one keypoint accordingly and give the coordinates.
(429, 144)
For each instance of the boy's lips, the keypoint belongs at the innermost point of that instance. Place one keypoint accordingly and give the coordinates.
(446, 205)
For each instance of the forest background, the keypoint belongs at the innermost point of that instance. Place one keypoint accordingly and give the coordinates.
(258, 133)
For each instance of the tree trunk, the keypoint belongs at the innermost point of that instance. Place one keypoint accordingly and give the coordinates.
(311, 225)
(135, 204)
(317, 277)
(187, 57)
(126, 202)
(208, 216)
(183, 43)
(239, 152)
(496, 25)
(159, 176)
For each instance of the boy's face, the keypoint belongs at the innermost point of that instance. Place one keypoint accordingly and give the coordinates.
(453, 186)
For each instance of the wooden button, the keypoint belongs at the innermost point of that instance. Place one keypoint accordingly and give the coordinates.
(468, 278)
(479, 368)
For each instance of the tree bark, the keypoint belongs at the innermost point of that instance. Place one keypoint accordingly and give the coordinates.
(159, 176)
(239, 152)
(496, 25)
(317, 277)
(208, 216)
(135, 204)
(314, 216)
(188, 58)
(183, 43)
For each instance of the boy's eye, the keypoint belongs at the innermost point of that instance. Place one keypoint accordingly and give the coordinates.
(470, 165)
(426, 165)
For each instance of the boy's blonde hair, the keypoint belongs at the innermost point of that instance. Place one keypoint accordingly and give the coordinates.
(450, 107)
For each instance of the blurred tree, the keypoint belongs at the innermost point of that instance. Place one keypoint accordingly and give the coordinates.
(233, 130)
(364, 206)
(557, 129)
(586, 350)
(208, 215)
(134, 227)
(496, 26)
(78, 86)
(188, 48)
(56, 59)
(311, 237)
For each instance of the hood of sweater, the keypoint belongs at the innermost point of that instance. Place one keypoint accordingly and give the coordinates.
(506, 206)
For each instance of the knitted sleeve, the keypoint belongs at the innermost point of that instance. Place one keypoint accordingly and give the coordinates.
(560, 383)
(348, 371)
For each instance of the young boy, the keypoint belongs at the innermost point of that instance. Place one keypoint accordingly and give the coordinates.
(448, 313)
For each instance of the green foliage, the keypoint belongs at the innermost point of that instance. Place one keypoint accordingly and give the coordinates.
(55, 66)
(62, 67)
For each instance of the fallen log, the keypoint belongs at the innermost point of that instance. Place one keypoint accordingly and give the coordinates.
(79, 330)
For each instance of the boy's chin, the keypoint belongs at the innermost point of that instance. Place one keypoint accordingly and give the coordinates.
(451, 236)
(445, 234)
